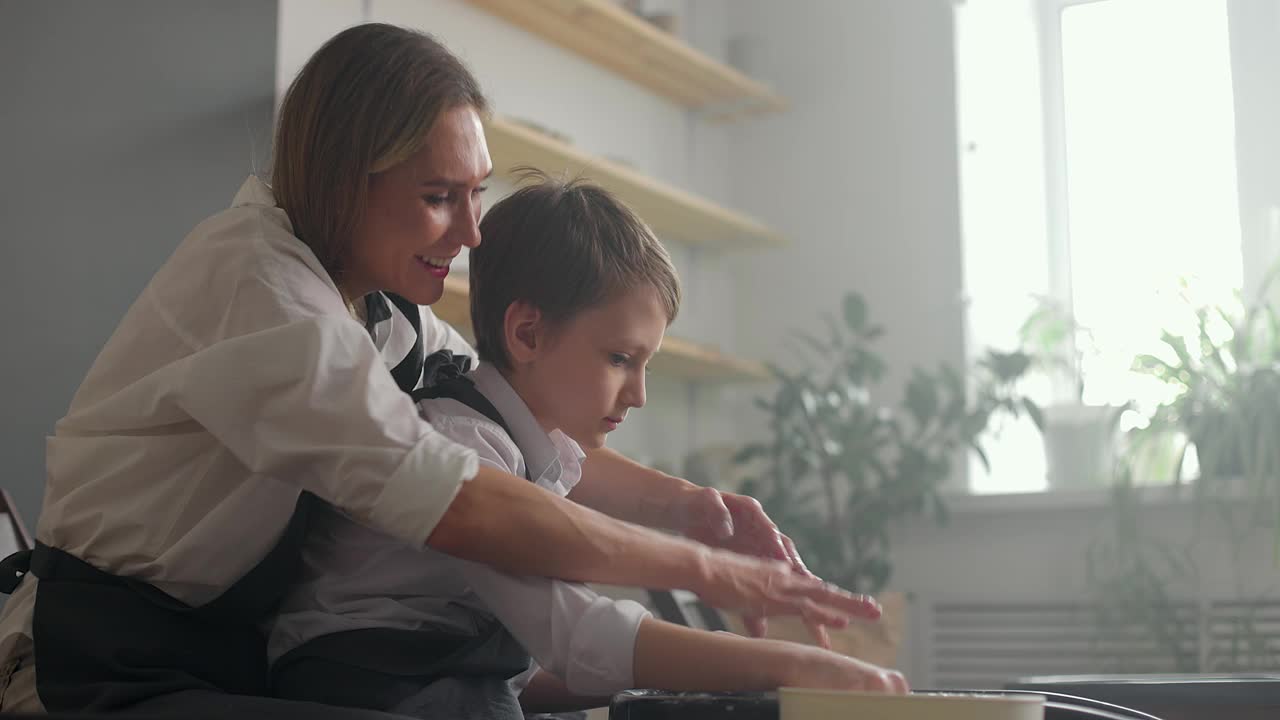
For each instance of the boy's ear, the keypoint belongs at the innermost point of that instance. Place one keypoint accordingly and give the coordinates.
(522, 332)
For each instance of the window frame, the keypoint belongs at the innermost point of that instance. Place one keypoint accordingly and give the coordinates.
(1253, 38)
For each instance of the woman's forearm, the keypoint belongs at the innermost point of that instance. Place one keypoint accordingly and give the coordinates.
(515, 526)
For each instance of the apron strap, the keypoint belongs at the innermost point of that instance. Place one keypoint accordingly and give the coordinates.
(444, 376)
(12, 569)
(409, 371)
(260, 590)
(377, 309)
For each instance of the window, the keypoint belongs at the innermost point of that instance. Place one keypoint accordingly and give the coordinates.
(1099, 169)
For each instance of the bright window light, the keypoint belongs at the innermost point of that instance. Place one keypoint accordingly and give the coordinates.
(1130, 112)
(1151, 176)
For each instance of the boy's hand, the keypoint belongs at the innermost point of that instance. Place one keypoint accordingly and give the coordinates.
(738, 522)
(824, 670)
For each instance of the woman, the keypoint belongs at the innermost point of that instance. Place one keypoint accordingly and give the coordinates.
(250, 382)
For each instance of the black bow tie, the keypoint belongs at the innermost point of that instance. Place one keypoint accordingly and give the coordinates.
(442, 366)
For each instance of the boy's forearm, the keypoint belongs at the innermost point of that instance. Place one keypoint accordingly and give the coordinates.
(674, 657)
(517, 527)
(622, 488)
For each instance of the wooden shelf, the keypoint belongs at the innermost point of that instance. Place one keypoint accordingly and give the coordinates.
(612, 37)
(678, 358)
(673, 214)
(686, 359)
(454, 307)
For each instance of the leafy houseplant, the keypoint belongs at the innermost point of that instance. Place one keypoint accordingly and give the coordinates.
(1145, 587)
(1057, 344)
(1225, 376)
(1132, 577)
(839, 469)
(1226, 381)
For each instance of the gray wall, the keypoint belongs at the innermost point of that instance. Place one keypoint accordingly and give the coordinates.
(122, 124)
(861, 175)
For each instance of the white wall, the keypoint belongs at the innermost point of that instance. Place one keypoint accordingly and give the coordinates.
(1255, 65)
(860, 174)
(1034, 546)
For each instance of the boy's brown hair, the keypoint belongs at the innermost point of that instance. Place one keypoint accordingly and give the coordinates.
(563, 247)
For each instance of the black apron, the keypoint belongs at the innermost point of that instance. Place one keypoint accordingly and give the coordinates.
(426, 673)
(104, 642)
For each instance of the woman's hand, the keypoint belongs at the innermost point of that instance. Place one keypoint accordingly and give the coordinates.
(812, 667)
(738, 522)
(733, 522)
(759, 588)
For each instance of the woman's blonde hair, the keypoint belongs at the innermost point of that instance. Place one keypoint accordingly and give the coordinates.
(362, 104)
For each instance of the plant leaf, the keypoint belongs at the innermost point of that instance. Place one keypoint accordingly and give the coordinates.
(982, 454)
(922, 398)
(855, 312)
(1034, 411)
(750, 452)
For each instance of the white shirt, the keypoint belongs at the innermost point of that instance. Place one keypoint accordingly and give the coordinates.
(236, 380)
(356, 578)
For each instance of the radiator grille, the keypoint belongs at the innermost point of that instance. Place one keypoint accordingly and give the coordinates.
(963, 644)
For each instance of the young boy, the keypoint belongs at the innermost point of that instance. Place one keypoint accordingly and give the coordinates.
(571, 295)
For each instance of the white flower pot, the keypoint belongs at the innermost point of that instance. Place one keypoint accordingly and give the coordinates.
(1080, 445)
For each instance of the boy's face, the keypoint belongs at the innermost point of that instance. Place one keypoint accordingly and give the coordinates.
(590, 372)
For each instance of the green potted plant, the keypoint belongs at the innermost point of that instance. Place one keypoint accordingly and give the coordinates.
(1138, 583)
(1079, 439)
(838, 469)
(1145, 582)
(1223, 372)
(1225, 378)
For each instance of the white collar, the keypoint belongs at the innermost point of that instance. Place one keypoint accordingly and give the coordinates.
(552, 458)
(255, 192)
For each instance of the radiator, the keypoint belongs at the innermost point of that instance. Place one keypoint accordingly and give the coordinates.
(984, 644)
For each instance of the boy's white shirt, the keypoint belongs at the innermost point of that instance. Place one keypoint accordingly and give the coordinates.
(355, 577)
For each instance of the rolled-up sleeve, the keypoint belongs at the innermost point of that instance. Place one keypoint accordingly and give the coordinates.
(311, 401)
(586, 639)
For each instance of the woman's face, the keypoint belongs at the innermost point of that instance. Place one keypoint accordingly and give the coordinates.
(421, 213)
